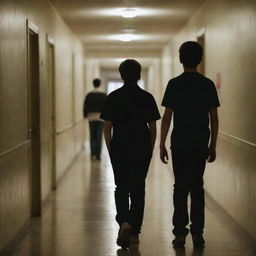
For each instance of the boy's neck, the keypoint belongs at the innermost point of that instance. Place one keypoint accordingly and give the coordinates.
(130, 83)
(191, 70)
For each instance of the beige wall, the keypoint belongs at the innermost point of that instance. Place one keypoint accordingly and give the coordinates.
(230, 50)
(15, 192)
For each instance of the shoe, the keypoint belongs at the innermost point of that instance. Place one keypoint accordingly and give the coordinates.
(179, 241)
(198, 240)
(134, 239)
(93, 158)
(124, 233)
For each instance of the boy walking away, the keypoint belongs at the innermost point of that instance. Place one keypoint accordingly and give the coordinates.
(93, 104)
(192, 99)
(131, 114)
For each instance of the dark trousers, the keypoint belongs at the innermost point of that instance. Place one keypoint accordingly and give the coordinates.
(96, 128)
(130, 191)
(188, 168)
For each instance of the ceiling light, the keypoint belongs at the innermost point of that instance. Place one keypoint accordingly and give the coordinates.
(127, 37)
(129, 13)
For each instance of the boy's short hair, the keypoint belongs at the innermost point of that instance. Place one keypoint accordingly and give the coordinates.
(96, 82)
(130, 70)
(190, 54)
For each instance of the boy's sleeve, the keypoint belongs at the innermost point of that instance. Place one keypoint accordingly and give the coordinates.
(153, 111)
(168, 100)
(107, 110)
(213, 100)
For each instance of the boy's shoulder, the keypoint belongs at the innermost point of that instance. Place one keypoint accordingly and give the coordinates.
(145, 93)
(197, 77)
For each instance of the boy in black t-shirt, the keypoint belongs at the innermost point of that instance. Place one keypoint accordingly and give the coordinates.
(131, 114)
(192, 99)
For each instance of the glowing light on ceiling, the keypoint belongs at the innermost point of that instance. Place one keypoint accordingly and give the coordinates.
(124, 12)
(126, 37)
(129, 13)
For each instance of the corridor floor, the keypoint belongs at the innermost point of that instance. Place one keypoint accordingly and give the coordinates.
(78, 220)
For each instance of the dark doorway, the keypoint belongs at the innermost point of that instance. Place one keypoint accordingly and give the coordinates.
(51, 84)
(34, 117)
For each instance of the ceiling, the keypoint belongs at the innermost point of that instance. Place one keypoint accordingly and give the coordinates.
(99, 24)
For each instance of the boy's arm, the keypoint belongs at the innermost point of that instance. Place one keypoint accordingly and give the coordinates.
(152, 128)
(214, 133)
(107, 133)
(165, 125)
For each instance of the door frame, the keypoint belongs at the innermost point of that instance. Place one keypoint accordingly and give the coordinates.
(34, 117)
(51, 43)
(200, 38)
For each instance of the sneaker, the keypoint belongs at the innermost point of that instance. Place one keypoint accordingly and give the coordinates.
(198, 240)
(134, 239)
(179, 241)
(123, 238)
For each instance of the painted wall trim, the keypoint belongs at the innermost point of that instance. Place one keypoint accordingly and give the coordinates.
(5, 155)
(249, 146)
(68, 127)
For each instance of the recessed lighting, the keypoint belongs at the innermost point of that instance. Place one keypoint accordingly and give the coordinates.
(127, 37)
(129, 13)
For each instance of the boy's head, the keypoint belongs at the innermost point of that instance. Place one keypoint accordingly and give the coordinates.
(96, 82)
(191, 54)
(130, 70)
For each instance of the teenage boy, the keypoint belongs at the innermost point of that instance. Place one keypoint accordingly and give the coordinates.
(93, 104)
(192, 99)
(130, 115)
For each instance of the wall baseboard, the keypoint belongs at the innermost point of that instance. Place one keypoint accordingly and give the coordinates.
(233, 224)
(13, 243)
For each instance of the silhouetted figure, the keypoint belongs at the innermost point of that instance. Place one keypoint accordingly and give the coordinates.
(191, 98)
(131, 114)
(93, 104)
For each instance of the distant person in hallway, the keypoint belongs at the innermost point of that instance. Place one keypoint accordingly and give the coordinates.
(93, 104)
(130, 115)
(191, 98)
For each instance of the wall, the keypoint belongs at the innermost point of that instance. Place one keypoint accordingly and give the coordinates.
(15, 175)
(230, 51)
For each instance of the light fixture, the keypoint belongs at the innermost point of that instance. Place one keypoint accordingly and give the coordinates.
(129, 13)
(126, 37)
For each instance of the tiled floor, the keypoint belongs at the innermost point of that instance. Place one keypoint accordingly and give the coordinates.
(79, 220)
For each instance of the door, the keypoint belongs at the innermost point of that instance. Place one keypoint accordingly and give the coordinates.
(51, 84)
(201, 66)
(34, 118)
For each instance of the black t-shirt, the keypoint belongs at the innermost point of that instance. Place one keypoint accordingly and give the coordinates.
(130, 109)
(190, 96)
(94, 102)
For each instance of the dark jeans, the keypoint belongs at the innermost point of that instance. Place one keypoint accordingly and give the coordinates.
(96, 128)
(130, 191)
(188, 168)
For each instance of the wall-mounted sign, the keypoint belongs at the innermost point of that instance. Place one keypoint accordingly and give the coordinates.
(218, 80)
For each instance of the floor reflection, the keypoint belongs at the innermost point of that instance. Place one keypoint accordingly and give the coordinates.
(80, 219)
(132, 251)
(195, 252)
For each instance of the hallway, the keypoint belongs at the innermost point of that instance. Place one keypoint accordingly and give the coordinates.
(50, 53)
(78, 220)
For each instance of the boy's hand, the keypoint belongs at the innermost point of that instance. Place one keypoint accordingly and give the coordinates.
(163, 154)
(211, 154)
